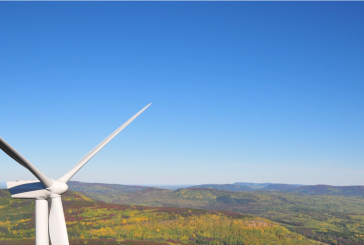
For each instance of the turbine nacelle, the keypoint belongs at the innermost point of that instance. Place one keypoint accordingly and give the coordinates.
(33, 189)
(28, 189)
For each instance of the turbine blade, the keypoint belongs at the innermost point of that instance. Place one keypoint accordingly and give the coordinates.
(11, 152)
(57, 223)
(65, 178)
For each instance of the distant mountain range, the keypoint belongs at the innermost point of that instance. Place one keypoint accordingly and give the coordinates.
(252, 185)
(169, 187)
(114, 189)
(225, 187)
(329, 190)
(103, 188)
(304, 189)
(242, 186)
(235, 187)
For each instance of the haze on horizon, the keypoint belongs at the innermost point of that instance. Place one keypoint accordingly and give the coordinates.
(241, 91)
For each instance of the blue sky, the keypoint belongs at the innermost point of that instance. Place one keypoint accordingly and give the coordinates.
(241, 91)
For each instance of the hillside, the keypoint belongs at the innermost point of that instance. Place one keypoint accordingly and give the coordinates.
(226, 187)
(330, 190)
(103, 188)
(331, 219)
(239, 186)
(88, 221)
(279, 187)
(337, 218)
(236, 187)
(252, 185)
(304, 189)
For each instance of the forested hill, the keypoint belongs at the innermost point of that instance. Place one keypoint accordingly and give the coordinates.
(330, 190)
(226, 187)
(332, 219)
(236, 187)
(248, 187)
(252, 185)
(103, 188)
(280, 187)
(91, 222)
(318, 189)
(305, 189)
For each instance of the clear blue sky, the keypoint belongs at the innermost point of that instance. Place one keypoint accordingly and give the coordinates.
(241, 91)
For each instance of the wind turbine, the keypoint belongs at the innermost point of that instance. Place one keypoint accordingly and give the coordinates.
(49, 189)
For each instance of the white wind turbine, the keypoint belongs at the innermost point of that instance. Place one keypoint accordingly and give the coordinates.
(48, 189)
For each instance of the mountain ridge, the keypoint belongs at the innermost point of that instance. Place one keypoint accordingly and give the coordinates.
(321, 189)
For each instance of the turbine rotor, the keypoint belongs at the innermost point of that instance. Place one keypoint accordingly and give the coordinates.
(49, 189)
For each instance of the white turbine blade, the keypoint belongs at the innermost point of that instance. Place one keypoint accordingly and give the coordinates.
(8, 149)
(65, 178)
(57, 223)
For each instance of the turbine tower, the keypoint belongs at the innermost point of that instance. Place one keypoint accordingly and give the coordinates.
(49, 189)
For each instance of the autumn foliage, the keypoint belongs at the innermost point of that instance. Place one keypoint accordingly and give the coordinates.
(90, 222)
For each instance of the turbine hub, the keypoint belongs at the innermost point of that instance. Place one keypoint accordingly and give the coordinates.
(58, 187)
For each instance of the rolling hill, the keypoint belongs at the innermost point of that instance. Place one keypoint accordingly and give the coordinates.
(236, 187)
(330, 190)
(252, 185)
(93, 222)
(333, 215)
(304, 189)
(103, 188)
(280, 187)
(333, 219)
(249, 187)
(226, 187)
